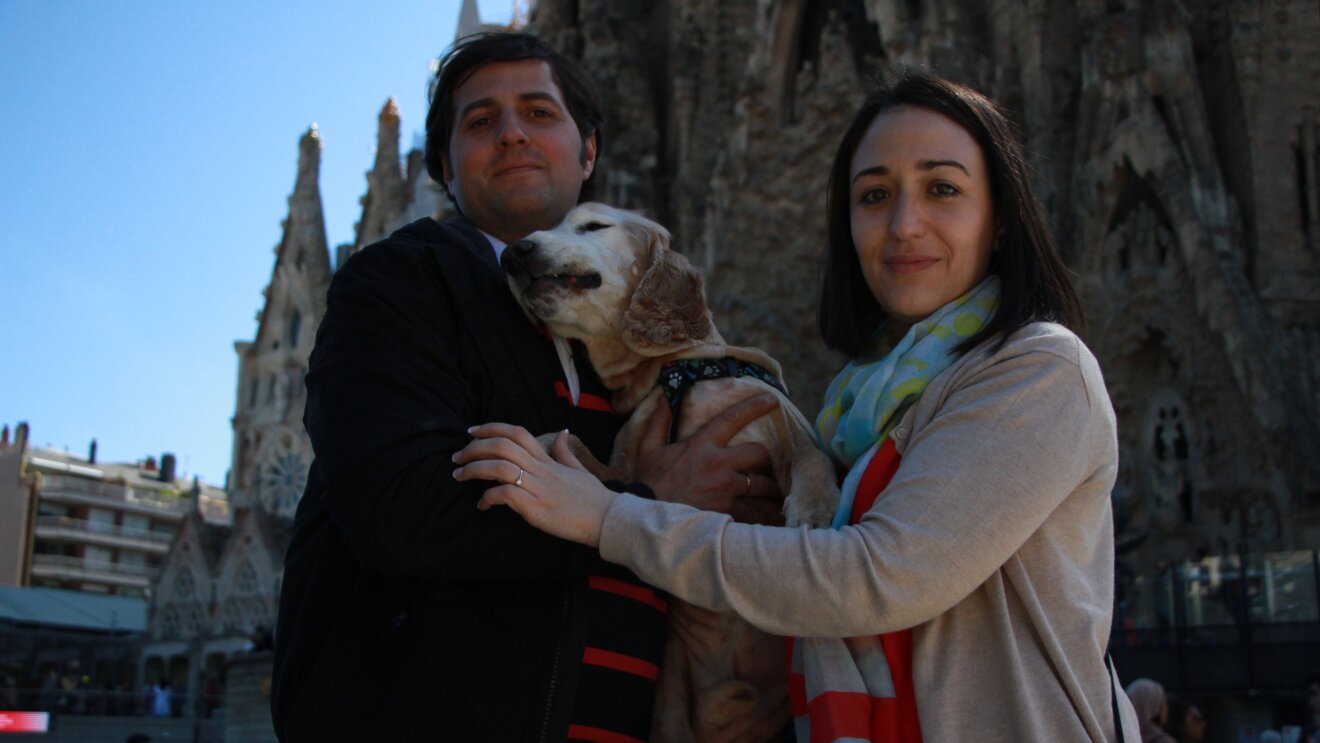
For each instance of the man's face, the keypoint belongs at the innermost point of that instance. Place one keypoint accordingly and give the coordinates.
(516, 160)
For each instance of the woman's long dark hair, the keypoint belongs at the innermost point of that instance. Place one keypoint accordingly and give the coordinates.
(1034, 281)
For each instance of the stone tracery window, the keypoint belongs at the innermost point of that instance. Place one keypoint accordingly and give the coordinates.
(193, 620)
(233, 617)
(169, 621)
(245, 580)
(184, 585)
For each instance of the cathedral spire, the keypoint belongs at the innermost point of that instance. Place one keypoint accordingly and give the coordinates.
(469, 19)
(270, 448)
(387, 193)
(304, 244)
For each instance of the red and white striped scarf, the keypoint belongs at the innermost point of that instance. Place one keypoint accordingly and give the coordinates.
(853, 689)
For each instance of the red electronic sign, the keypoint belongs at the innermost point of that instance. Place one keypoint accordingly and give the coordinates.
(24, 722)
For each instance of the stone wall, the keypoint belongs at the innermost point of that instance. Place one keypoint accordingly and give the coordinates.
(1173, 144)
(247, 699)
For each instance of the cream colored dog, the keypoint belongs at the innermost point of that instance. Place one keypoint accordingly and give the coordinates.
(607, 277)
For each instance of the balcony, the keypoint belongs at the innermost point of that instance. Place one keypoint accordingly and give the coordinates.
(76, 490)
(61, 567)
(65, 529)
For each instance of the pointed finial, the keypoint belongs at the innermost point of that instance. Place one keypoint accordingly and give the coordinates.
(469, 19)
(389, 114)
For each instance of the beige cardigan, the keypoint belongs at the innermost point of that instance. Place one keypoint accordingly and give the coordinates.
(994, 540)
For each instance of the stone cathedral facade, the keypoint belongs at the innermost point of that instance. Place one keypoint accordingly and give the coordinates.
(1173, 142)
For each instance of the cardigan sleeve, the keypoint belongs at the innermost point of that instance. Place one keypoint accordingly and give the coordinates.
(389, 402)
(1010, 439)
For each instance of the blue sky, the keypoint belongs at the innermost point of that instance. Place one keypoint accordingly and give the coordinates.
(148, 151)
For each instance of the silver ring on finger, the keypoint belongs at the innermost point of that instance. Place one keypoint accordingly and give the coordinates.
(749, 484)
(518, 482)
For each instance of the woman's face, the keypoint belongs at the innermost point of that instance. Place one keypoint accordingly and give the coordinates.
(922, 217)
(1194, 724)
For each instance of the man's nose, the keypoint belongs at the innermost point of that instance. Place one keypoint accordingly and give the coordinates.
(511, 131)
(907, 220)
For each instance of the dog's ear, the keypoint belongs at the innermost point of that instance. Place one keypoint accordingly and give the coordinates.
(667, 311)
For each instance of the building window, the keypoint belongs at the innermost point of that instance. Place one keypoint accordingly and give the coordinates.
(184, 585)
(246, 580)
(295, 326)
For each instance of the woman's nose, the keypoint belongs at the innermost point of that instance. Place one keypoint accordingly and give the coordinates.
(907, 219)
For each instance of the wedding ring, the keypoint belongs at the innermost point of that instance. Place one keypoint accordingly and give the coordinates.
(749, 484)
(518, 482)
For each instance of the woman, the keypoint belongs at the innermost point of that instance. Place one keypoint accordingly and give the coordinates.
(1185, 722)
(965, 591)
(1152, 709)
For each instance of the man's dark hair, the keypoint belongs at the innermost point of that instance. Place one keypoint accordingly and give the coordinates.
(1034, 281)
(470, 54)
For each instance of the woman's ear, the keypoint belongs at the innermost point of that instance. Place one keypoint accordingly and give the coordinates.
(668, 310)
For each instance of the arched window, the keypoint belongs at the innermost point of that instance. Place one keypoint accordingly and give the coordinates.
(295, 326)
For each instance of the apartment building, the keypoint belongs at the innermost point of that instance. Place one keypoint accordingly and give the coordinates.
(85, 525)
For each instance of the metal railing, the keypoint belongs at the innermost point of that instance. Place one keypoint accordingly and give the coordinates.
(83, 526)
(164, 501)
(1235, 622)
(89, 565)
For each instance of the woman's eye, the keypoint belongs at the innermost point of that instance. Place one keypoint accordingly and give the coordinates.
(944, 189)
(874, 195)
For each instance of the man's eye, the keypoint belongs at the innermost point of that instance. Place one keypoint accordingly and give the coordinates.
(592, 227)
(478, 122)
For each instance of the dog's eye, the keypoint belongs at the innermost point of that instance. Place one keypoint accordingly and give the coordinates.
(592, 227)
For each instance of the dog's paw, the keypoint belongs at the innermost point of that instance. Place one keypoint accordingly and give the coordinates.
(583, 454)
(722, 705)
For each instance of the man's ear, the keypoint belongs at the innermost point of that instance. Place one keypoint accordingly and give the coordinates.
(667, 311)
(588, 156)
(444, 169)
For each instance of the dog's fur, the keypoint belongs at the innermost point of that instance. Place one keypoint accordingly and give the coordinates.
(723, 680)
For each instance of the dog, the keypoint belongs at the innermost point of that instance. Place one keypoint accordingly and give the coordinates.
(608, 278)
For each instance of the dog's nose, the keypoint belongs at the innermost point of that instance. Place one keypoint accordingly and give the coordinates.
(514, 258)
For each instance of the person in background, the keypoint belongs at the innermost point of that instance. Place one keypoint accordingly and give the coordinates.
(1185, 723)
(965, 588)
(160, 698)
(1152, 708)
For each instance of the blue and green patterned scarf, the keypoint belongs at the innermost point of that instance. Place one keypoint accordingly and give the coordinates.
(868, 398)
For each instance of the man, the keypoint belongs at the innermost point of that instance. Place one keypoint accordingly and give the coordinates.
(406, 612)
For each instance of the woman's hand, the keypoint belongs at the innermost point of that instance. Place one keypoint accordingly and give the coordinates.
(552, 491)
(704, 472)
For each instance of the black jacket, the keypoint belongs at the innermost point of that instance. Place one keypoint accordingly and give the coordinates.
(406, 613)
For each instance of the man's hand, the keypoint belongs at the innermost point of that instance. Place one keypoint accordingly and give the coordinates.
(704, 472)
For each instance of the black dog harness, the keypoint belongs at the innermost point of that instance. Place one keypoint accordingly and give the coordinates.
(677, 377)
